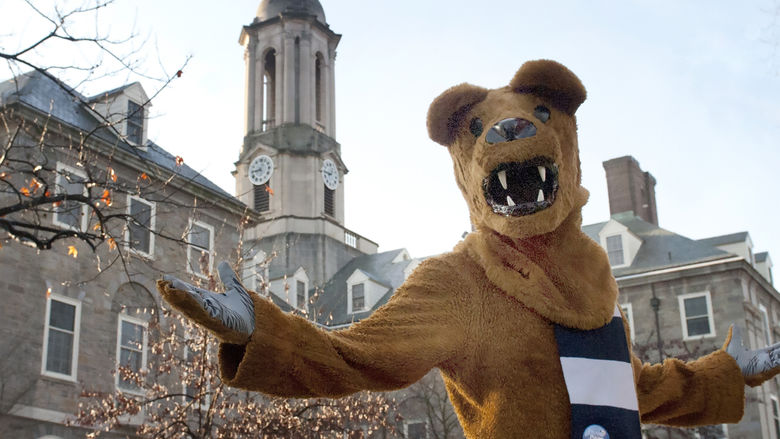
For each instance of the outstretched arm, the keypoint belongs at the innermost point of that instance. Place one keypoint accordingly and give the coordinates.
(286, 355)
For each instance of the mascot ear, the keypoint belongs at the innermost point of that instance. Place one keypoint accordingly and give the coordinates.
(552, 82)
(447, 111)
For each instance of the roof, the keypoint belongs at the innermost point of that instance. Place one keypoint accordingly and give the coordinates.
(660, 248)
(332, 303)
(272, 8)
(50, 97)
(761, 257)
(725, 239)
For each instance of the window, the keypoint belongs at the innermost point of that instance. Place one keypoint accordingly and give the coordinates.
(776, 415)
(696, 315)
(135, 123)
(415, 430)
(615, 250)
(69, 213)
(628, 310)
(301, 294)
(201, 241)
(262, 197)
(358, 298)
(130, 350)
(318, 88)
(350, 239)
(61, 337)
(269, 89)
(330, 201)
(767, 327)
(140, 225)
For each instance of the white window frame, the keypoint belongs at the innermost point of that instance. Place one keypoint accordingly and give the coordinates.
(684, 320)
(211, 247)
(61, 167)
(628, 310)
(415, 421)
(766, 324)
(76, 333)
(152, 223)
(622, 249)
(136, 321)
(351, 309)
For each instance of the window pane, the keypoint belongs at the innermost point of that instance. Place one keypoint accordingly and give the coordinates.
(139, 227)
(301, 289)
(698, 326)
(59, 352)
(132, 335)
(135, 122)
(615, 250)
(62, 315)
(358, 300)
(416, 430)
(696, 306)
(132, 360)
(200, 236)
(199, 260)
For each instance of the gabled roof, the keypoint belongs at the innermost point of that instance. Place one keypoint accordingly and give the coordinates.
(331, 306)
(761, 257)
(660, 248)
(48, 97)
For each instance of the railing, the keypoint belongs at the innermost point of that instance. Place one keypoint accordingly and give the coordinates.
(350, 239)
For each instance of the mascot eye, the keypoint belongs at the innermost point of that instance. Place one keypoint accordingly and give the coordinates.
(476, 126)
(542, 113)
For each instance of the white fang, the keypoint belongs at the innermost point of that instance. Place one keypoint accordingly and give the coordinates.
(509, 201)
(540, 197)
(542, 173)
(502, 178)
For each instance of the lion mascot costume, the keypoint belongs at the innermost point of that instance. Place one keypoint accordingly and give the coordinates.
(521, 318)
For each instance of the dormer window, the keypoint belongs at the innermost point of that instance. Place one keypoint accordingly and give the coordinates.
(615, 250)
(358, 298)
(135, 123)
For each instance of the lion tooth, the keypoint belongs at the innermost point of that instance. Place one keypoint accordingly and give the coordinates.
(509, 201)
(502, 178)
(540, 197)
(542, 173)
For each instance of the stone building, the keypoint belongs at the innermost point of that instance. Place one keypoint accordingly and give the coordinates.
(681, 295)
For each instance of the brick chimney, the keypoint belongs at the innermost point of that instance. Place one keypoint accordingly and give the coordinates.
(630, 189)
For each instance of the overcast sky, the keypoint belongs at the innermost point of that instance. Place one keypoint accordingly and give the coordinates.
(691, 89)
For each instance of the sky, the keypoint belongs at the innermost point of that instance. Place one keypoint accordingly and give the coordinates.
(691, 89)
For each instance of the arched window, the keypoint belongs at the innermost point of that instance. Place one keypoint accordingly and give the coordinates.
(318, 98)
(269, 89)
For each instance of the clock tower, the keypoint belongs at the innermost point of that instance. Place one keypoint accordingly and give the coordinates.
(290, 169)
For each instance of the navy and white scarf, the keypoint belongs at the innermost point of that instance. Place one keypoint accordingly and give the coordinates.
(597, 369)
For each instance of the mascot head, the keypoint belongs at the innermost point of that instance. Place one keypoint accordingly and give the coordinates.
(514, 149)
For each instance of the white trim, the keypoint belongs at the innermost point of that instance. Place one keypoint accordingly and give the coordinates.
(39, 414)
(152, 216)
(76, 332)
(211, 246)
(136, 321)
(61, 167)
(684, 319)
(680, 268)
(628, 310)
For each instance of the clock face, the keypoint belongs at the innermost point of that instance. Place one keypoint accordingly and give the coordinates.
(260, 169)
(330, 174)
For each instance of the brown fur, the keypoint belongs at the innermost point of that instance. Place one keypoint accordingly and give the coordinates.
(484, 314)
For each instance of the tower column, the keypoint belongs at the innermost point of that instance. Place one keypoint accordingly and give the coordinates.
(288, 80)
(259, 78)
(251, 74)
(331, 93)
(306, 81)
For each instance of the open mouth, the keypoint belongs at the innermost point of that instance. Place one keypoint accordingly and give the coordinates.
(524, 188)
